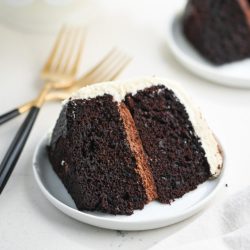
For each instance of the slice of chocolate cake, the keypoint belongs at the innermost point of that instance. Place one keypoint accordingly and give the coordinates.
(119, 145)
(219, 29)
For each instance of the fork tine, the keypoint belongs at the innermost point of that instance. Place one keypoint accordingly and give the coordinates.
(100, 65)
(54, 51)
(107, 67)
(112, 71)
(119, 70)
(64, 47)
(109, 62)
(75, 65)
(69, 49)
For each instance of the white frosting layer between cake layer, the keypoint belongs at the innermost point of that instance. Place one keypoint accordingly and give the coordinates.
(119, 89)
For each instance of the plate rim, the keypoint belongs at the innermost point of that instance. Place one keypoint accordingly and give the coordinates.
(109, 223)
(192, 65)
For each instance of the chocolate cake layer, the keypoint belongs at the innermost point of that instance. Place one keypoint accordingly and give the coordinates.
(118, 145)
(219, 29)
(90, 152)
(175, 155)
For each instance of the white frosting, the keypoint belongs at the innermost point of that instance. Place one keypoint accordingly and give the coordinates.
(118, 89)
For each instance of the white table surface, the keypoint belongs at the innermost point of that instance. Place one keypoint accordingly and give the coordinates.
(27, 219)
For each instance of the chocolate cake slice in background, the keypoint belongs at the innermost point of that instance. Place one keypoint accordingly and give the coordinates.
(119, 145)
(219, 29)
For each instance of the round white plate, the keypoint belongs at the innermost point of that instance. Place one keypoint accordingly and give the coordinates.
(232, 74)
(154, 215)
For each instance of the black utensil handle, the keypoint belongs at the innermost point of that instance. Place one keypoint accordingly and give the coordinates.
(16, 147)
(9, 115)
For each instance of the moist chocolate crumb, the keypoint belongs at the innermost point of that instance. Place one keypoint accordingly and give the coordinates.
(176, 157)
(100, 174)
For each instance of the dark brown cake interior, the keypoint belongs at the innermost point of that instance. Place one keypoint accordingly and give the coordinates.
(175, 155)
(218, 29)
(98, 167)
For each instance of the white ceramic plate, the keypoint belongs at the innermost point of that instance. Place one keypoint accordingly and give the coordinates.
(235, 74)
(154, 215)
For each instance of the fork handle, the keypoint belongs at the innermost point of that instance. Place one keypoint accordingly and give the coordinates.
(9, 115)
(16, 112)
(16, 147)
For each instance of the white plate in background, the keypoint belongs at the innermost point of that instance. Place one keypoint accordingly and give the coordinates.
(154, 214)
(236, 74)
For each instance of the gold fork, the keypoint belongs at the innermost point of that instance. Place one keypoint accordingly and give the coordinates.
(109, 68)
(59, 72)
(60, 69)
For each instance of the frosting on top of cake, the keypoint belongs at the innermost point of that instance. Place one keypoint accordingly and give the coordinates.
(119, 89)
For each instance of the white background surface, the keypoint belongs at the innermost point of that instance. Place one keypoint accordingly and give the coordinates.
(27, 219)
